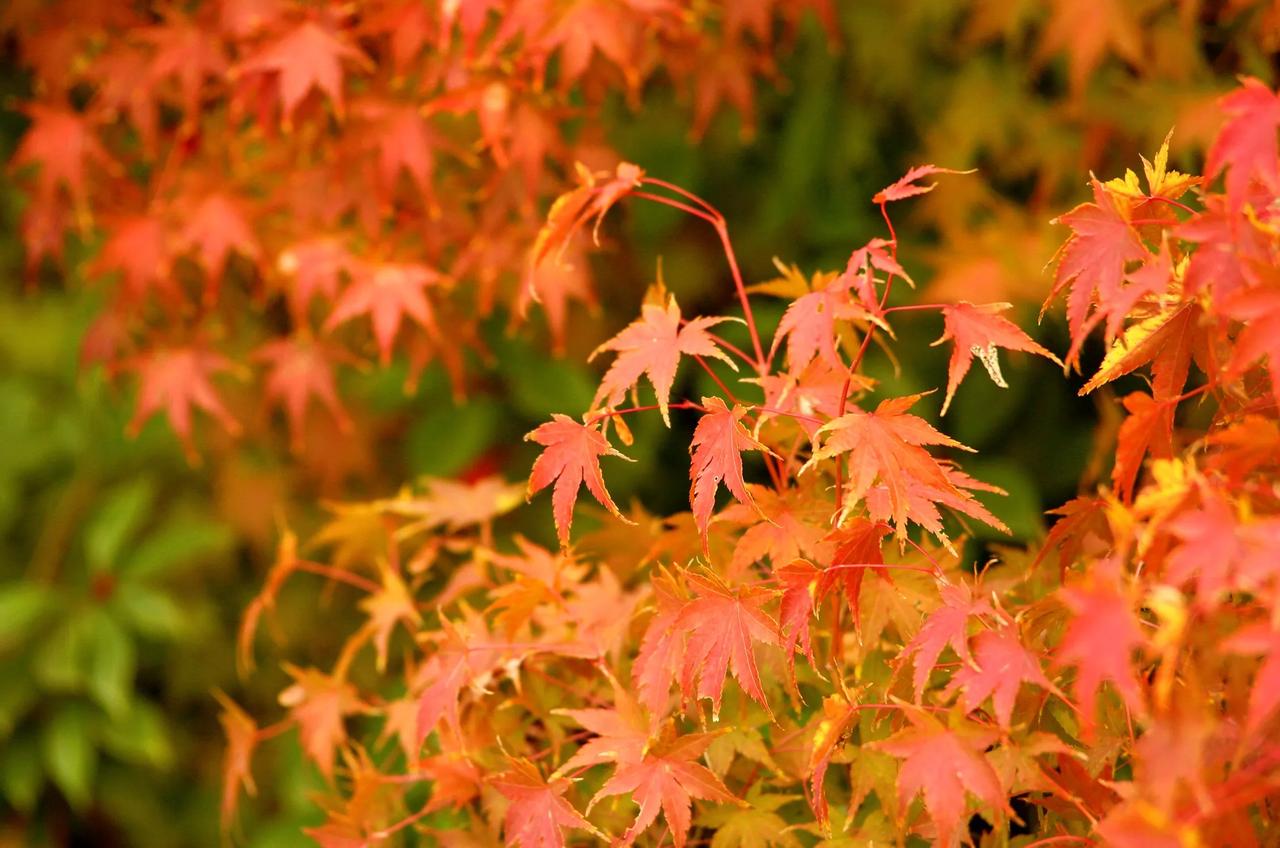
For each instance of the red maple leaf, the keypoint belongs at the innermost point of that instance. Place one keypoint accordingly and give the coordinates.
(979, 331)
(216, 227)
(571, 458)
(242, 739)
(667, 780)
(809, 324)
(909, 185)
(622, 733)
(718, 441)
(301, 369)
(316, 265)
(176, 380)
(594, 196)
(386, 292)
(62, 143)
(1264, 641)
(1148, 428)
(662, 647)
(652, 346)
(1092, 259)
(1246, 147)
(136, 248)
(947, 625)
(308, 56)
(1000, 665)
(889, 467)
(944, 765)
(537, 813)
(318, 702)
(1100, 640)
(722, 625)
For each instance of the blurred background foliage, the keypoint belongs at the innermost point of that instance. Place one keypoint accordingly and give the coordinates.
(124, 569)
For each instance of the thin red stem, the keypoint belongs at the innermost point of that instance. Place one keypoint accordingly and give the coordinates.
(675, 204)
(683, 404)
(862, 351)
(341, 575)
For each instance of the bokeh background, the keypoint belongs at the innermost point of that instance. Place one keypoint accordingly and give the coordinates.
(125, 567)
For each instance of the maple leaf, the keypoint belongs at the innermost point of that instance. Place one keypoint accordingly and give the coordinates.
(188, 52)
(1149, 427)
(242, 739)
(722, 625)
(652, 346)
(1092, 259)
(1001, 664)
(661, 651)
(300, 370)
(391, 604)
(831, 729)
(979, 331)
(216, 227)
(667, 780)
(885, 447)
(947, 625)
(622, 733)
(1264, 641)
(316, 266)
(1086, 30)
(176, 380)
(591, 198)
(858, 272)
(537, 813)
(62, 143)
(467, 656)
(308, 56)
(1259, 311)
(137, 249)
(809, 324)
(718, 441)
(1100, 641)
(1166, 335)
(1218, 549)
(1161, 182)
(571, 459)
(1246, 147)
(909, 185)
(943, 765)
(386, 292)
(318, 702)
(793, 529)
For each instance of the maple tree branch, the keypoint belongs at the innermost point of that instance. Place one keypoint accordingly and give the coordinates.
(683, 192)
(915, 307)
(717, 221)
(1175, 203)
(727, 345)
(611, 413)
(862, 350)
(675, 204)
(339, 574)
(402, 824)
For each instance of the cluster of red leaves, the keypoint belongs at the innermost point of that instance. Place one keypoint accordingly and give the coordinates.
(270, 184)
(1118, 683)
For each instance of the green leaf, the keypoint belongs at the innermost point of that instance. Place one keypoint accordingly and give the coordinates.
(22, 606)
(449, 438)
(61, 660)
(21, 774)
(180, 542)
(123, 510)
(69, 754)
(149, 611)
(140, 736)
(112, 663)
